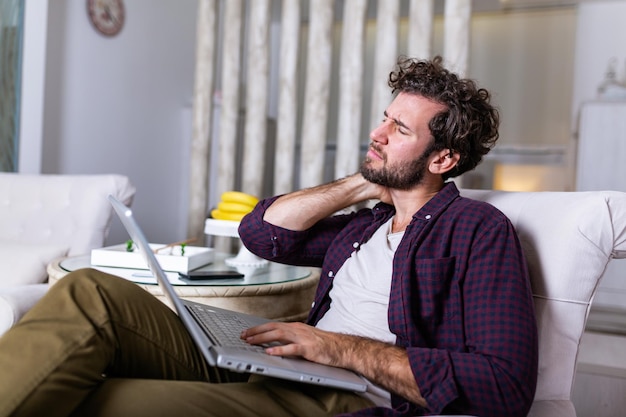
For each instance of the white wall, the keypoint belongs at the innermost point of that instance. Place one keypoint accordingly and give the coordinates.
(526, 59)
(601, 35)
(120, 104)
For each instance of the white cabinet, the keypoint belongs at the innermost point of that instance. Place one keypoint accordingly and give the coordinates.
(601, 165)
(601, 154)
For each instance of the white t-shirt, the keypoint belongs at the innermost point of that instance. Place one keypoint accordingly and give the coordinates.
(360, 296)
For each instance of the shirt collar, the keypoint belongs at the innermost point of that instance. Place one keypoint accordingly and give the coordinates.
(431, 209)
(439, 202)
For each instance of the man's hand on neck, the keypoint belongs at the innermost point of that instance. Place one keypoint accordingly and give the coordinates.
(301, 209)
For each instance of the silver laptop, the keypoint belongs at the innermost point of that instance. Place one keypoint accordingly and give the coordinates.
(216, 331)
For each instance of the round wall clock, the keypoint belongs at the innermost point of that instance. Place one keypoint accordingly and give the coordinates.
(107, 16)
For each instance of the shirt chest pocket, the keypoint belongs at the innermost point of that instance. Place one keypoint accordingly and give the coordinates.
(437, 289)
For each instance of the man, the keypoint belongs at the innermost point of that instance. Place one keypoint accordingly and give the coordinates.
(426, 295)
(434, 286)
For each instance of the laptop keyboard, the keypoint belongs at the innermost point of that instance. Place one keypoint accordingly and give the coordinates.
(225, 328)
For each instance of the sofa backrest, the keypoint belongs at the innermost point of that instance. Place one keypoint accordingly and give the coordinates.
(568, 239)
(68, 210)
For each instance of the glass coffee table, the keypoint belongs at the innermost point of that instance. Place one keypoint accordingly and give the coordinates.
(276, 291)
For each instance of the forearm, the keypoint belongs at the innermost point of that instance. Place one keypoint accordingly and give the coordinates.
(384, 364)
(302, 209)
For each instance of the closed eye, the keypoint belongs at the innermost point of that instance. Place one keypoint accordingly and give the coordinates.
(402, 128)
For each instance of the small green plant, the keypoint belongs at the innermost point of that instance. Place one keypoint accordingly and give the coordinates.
(182, 249)
(130, 247)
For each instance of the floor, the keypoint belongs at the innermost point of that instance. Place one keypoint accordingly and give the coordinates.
(600, 386)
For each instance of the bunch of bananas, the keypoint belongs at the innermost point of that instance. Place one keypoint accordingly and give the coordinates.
(234, 205)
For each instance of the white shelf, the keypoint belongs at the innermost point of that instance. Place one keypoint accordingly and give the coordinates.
(228, 228)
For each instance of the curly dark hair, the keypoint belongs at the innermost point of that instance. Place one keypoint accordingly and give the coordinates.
(468, 126)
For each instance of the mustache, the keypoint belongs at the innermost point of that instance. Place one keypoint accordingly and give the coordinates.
(379, 151)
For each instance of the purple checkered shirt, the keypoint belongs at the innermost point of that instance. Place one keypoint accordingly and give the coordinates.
(460, 300)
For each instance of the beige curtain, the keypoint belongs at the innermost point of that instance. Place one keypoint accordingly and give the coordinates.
(456, 40)
(201, 123)
(351, 71)
(288, 97)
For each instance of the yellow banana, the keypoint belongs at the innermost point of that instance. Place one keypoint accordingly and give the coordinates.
(239, 197)
(234, 207)
(226, 215)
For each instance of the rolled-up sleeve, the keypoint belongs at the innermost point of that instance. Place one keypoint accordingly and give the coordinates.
(277, 244)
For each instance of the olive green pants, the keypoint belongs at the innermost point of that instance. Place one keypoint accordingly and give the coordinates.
(98, 345)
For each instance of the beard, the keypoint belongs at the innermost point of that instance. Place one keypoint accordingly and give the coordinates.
(398, 176)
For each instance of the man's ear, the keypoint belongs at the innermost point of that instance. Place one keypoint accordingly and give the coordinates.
(443, 161)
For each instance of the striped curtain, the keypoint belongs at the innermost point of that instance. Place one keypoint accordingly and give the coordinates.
(268, 100)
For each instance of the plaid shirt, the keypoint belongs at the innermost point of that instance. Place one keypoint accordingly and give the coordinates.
(460, 299)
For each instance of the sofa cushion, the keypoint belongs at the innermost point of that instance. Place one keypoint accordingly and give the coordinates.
(72, 210)
(25, 263)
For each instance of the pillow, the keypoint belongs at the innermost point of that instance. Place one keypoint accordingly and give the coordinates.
(24, 263)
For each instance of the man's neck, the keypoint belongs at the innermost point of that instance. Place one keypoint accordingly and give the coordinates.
(409, 202)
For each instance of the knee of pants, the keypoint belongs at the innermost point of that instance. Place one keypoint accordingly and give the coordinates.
(98, 294)
(89, 279)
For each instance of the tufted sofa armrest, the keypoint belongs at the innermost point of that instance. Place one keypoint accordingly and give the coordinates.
(44, 217)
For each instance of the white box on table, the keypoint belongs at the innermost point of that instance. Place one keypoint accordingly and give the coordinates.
(169, 258)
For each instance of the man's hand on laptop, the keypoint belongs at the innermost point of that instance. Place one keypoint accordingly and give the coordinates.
(296, 339)
(382, 363)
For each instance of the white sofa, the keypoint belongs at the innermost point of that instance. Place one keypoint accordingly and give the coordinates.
(44, 217)
(568, 239)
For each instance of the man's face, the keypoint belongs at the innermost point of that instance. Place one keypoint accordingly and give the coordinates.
(398, 156)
